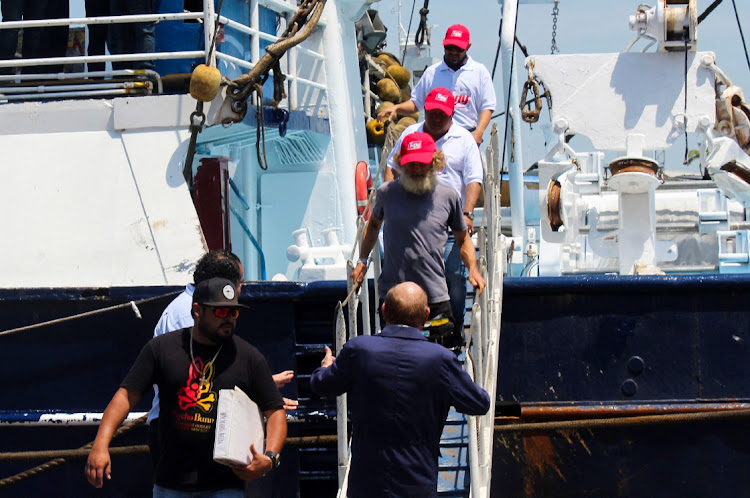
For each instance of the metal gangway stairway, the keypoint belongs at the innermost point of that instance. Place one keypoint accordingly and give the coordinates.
(465, 465)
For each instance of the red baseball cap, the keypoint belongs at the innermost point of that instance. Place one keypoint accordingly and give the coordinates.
(457, 35)
(440, 98)
(417, 147)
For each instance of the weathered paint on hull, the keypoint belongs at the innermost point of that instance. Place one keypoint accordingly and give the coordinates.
(624, 345)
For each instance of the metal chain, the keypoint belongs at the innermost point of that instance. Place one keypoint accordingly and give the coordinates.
(206, 366)
(555, 12)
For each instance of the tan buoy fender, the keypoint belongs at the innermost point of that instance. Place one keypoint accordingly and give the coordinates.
(362, 182)
(204, 83)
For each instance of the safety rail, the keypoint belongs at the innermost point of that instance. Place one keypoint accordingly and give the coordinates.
(483, 358)
(281, 8)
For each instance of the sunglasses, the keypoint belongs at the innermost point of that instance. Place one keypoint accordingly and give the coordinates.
(225, 311)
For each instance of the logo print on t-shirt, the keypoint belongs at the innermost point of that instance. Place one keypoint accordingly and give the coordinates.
(461, 100)
(194, 393)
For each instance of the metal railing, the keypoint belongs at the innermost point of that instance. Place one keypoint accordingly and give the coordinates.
(100, 88)
(483, 358)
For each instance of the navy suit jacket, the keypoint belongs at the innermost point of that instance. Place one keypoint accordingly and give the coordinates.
(400, 388)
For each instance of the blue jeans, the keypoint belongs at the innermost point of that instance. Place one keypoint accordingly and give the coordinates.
(162, 492)
(455, 277)
(132, 38)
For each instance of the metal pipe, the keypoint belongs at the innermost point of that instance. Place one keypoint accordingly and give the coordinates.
(68, 88)
(577, 412)
(90, 93)
(69, 76)
(291, 60)
(255, 24)
(192, 54)
(510, 86)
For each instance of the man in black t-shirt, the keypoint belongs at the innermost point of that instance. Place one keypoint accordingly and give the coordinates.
(190, 366)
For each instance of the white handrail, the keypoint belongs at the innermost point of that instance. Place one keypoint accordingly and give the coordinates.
(487, 318)
(266, 36)
(79, 59)
(279, 6)
(89, 93)
(250, 65)
(63, 21)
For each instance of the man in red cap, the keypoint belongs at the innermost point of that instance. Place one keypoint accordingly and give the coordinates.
(421, 211)
(469, 81)
(463, 172)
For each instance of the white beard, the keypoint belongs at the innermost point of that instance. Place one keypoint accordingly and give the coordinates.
(418, 184)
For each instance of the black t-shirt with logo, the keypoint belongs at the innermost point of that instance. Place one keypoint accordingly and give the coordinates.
(187, 420)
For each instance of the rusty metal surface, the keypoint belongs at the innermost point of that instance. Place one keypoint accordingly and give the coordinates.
(598, 347)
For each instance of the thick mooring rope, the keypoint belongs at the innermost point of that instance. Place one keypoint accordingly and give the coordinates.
(130, 304)
(62, 456)
(59, 461)
(17, 456)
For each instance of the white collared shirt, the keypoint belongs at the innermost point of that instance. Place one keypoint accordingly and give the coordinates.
(471, 86)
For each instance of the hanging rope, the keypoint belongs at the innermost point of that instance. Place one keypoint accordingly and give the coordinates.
(62, 456)
(408, 30)
(708, 10)
(497, 50)
(742, 35)
(130, 304)
(197, 120)
(419, 36)
(140, 449)
(52, 464)
(260, 129)
(507, 98)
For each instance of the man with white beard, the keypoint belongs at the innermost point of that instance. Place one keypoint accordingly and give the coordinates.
(463, 171)
(420, 211)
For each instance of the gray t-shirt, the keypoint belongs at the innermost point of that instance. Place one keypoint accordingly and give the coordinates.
(415, 230)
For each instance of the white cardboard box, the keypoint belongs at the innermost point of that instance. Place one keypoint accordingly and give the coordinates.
(238, 424)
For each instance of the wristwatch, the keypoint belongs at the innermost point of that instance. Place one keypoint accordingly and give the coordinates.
(275, 458)
(469, 215)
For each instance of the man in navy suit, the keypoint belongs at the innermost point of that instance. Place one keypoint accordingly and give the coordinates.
(400, 388)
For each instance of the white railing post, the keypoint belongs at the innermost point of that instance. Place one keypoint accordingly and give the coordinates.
(209, 26)
(255, 24)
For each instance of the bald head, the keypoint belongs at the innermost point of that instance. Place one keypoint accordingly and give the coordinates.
(406, 304)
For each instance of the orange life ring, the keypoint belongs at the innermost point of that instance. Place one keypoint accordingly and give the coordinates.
(362, 182)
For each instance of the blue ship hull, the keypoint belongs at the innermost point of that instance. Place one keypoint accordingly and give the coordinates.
(601, 347)
(76, 366)
(569, 348)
